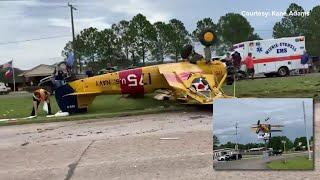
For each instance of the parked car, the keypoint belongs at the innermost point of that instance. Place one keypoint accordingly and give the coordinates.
(4, 89)
(277, 152)
(224, 158)
(234, 157)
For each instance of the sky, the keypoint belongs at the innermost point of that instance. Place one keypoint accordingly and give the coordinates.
(32, 19)
(247, 111)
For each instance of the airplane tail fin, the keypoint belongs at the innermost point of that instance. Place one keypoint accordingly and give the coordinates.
(68, 103)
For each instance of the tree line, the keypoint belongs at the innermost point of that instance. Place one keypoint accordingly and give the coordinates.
(307, 26)
(275, 143)
(137, 41)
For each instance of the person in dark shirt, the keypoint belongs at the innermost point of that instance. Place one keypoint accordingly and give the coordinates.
(304, 62)
(59, 76)
(236, 61)
(236, 58)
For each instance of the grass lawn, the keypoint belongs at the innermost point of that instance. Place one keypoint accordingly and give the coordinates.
(294, 163)
(18, 106)
(294, 86)
(103, 106)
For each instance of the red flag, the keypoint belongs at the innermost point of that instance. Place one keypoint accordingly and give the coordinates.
(7, 65)
(9, 73)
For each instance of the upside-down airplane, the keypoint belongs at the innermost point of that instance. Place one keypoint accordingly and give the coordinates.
(266, 128)
(194, 80)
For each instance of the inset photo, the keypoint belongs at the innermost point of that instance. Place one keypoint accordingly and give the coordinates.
(263, 134)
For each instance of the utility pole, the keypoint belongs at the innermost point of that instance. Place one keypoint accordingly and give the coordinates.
(284, 149)
(236, 148)
(306, 130)
(236, 126)
(73, 37)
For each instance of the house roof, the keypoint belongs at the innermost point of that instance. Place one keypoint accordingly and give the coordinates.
(40, 70)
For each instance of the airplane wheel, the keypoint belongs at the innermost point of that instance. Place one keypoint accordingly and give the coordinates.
(207, 37)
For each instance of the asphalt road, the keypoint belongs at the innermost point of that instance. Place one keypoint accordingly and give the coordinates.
(116, 148)
(124, 148)
(250, 163)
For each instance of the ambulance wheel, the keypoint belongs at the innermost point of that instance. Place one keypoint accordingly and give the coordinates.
(283, 71)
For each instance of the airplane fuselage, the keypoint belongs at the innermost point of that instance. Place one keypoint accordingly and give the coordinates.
(142, 80)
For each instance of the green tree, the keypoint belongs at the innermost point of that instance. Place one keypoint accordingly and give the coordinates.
(228, 145)
(298, 140)
(179, 37)
(312, 27)
(215, 141)
(85, 45)
(291, 25)
(207, 23)
(108, 47)
(276, 142)
(122, 31)
(143, 34)
(203, 24)
(160, 46)
(234, 28)
(67, 49)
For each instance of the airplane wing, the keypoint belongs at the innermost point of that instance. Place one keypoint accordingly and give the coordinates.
(177, 74)
(255, 129)
(84, 93)
(276, 130)
(277, 125)
(185, 79)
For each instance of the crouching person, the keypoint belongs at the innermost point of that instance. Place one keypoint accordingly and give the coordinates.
(40, 95)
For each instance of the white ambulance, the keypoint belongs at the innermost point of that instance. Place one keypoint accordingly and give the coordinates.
(274, 56)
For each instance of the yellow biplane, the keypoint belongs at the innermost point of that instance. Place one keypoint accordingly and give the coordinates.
(265, 129)
(196, 79)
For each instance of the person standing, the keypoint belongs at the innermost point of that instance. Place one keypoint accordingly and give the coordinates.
(236, 58)
(236, 61)
(40, 95)
(228, 58)
(249, 65)
(304, 61)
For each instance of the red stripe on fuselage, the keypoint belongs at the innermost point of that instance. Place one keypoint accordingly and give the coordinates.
(131, 82)
(274, 59)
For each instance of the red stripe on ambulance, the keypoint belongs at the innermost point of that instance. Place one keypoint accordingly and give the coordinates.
(275, 59)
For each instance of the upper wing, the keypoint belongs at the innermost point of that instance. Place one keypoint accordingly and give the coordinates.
(177, 74)
(185, 78)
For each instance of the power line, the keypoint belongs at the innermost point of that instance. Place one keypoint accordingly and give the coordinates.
(36, 39)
